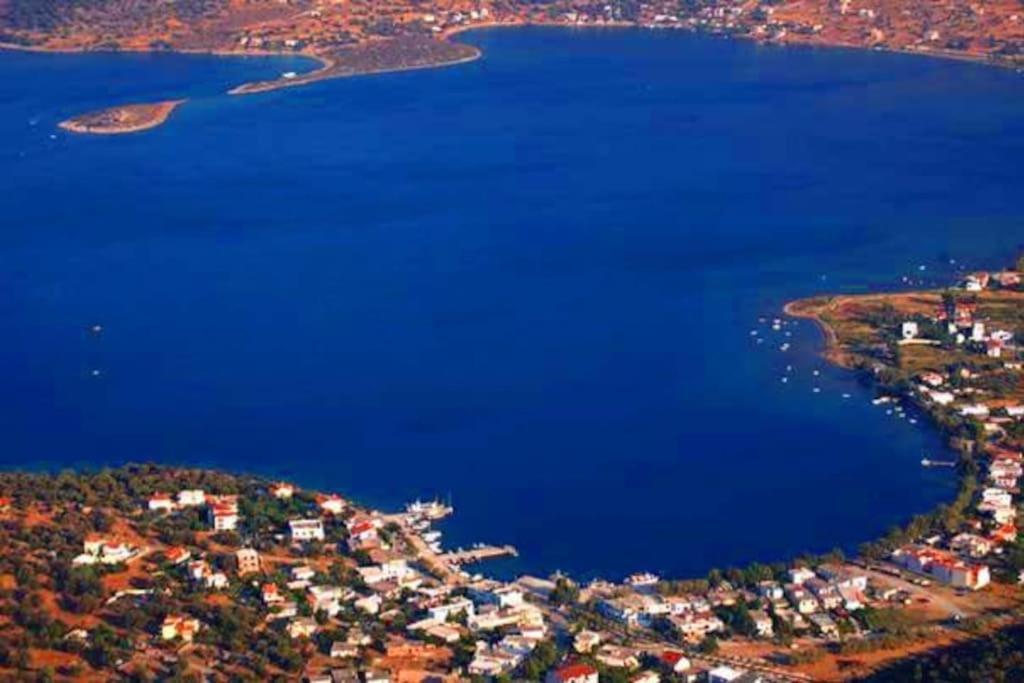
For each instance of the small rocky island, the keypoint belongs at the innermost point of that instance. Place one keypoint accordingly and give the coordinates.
(130, 118)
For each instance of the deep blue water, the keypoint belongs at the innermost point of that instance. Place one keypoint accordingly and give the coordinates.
(527, 282)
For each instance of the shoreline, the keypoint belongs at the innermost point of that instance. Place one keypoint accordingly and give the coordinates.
(982, 59)
(330, 66)
(813, 657)
(328, 63)
(831, 350)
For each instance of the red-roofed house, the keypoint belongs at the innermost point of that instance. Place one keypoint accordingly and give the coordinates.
(271, 596)
(573, 673)
(674, 661)
(179, 627)
(177, 555)
(1007, 533)
(223, 512)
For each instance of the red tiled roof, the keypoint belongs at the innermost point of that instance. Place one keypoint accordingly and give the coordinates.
(362, 527)
(567, 673)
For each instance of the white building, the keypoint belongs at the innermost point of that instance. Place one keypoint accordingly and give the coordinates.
(282, 490)
(223, 512)
(798, 575)
(161, 502)
(306, 530)
(724, 674)
(458, 606)
(331, 504)
(762, 623)
(191, 498)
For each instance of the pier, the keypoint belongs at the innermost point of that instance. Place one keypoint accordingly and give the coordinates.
(486, 552)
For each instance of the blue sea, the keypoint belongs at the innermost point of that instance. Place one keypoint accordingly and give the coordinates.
(528, 283)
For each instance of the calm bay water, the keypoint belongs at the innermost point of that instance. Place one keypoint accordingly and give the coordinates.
(527, 282)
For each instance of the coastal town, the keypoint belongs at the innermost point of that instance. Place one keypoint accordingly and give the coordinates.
(147, 571)
(365, 36)
(990, 31)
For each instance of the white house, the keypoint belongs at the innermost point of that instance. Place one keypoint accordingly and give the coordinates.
(223, 512)
(391, 570)
(369, 604)
(909, 330)
(498, 594)
(306, 530)
(191, 498)
(724, 674)
(282, 490)
(696, 625)
(798, 575)
(585, 641)
(674, 661)
(161, 502)
(974, 410)
(326, 599)
(181, 627)
(301, 627)
(762, 623)
(116, 553)
(770, 590)
(331, 504)
(802, 600)
(99, 550)
(458, 606)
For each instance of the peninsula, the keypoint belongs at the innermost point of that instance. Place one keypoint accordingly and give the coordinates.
(131, 118)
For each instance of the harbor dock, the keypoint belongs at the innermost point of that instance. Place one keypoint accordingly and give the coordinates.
(485, 552)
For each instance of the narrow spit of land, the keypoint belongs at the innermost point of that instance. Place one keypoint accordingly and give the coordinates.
(380, 56)
(129, 118)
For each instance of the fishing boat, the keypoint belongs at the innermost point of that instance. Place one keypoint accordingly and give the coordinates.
(434, 509)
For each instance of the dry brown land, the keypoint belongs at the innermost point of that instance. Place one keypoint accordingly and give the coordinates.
(131, 118)
(374, 36)
(849, 324)
(379, 56)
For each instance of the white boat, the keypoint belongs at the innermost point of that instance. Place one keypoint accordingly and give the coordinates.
(430, 510)
(642, 579)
